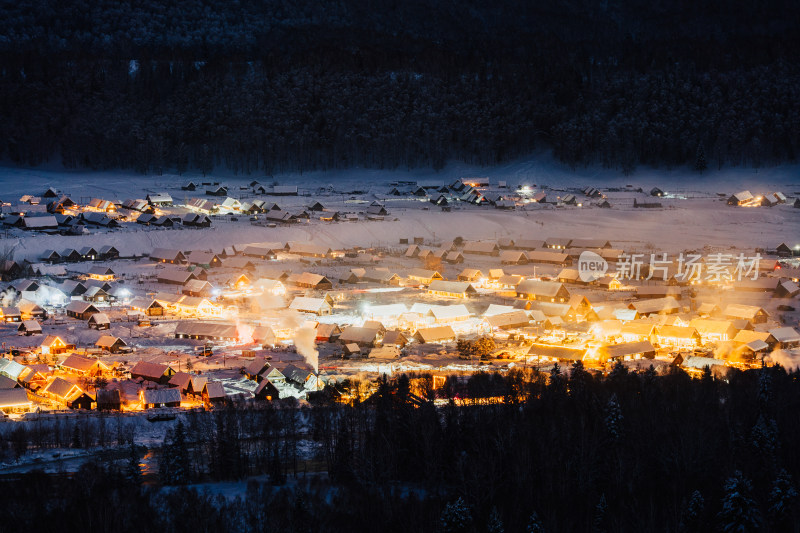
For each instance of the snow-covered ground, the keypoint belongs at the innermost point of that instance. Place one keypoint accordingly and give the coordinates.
(696, 217)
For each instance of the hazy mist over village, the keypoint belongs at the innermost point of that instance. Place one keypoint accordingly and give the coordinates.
(425, 266)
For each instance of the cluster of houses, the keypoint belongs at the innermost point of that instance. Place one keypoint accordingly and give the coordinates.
(215, 189)
(528, 294)
(747, 199)
(87, 253)
(553, 251)
(54, 212)
(562, 316)
(557, 301)
(476, 191)
(642, 320)
(67, 383)
(88, 382)
(61, 214)
(471, 191)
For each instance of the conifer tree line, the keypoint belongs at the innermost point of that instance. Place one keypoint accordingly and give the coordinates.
(522, 451)
(263, 87)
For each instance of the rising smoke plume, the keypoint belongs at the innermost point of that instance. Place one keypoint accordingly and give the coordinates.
(305, 342)
(788, 360)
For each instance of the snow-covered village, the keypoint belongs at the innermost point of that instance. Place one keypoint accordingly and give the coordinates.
(168, 299)
(147, 307)
(420, 266)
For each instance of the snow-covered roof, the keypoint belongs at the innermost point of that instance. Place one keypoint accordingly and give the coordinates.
(159, 197)
(448, 312)
(357, 334)
(62, 388)
(10, 369)
(676, 332)
(214, 390)
(656, 305)
(40, 222)
(480, 247)
(785, 334)
(495, 309)
(540, 288)
(313, 305)
(76, 306)
(757, 345)
(512, 319)
(629, 348)
(99, 318)
(743, 311)
(451, 287)
(149, 370)
(435, 334)
(175, 275)
(79, 363)
(159, 396)
(743, 196)
(543, 256)
(166, 254)
(705, 326)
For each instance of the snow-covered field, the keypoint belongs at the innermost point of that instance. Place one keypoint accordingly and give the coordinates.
(695, 218)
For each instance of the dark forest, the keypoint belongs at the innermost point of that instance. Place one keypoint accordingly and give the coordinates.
(262, 87)
(525, 451)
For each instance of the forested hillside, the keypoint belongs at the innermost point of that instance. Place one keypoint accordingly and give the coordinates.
(270, 86)
(520, 451)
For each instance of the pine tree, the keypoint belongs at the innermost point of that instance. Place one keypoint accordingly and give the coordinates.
(456, 517)
(495, 524)
(558, 383)
(613, 419)
(700, 163)
(484, 347)
(174, 463)
(275, 469)
(465, 348)
(227, 459)
(649, 377)
(403, 388)
(764, 438)
(618, 372)
(579, 379)
(76, 437)
(221, 459)
(764, 389)
(534, 524)
(206, 162)
(19, 440)
(180, 473)
(133, 472)
(692, 519)
(782, 502)
(600, 523)
(182, 159)
(739, 512)
(166, 460)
